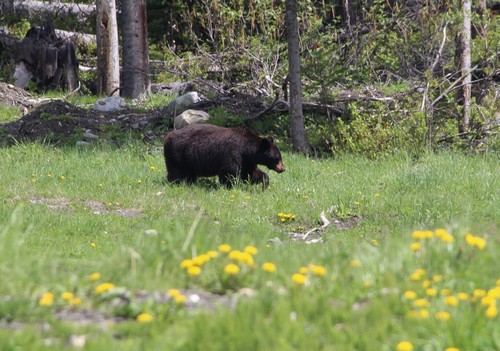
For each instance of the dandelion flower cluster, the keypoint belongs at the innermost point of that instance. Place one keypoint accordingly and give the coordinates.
(404, 346)
(47, 299)
(144, 317)
(475, 241)
(286, 217)
(104, 287)
(269, 267)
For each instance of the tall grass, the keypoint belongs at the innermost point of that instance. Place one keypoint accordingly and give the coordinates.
(69, 212)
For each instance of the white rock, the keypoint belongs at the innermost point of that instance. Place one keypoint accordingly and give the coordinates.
(189, 117)
(151, 232)
(112, 103)
(182, 101)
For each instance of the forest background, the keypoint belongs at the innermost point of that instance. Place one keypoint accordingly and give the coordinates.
(377, 76)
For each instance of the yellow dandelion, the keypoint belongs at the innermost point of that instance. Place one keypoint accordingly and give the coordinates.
(355, 263)
(404, 346)
(478, 293)
(93, 245)
(418, 234)
(431, 292)
(224, 248)
(212, 254)
(452, 349)
(451, 301)
(67, 295)
(187, 263)
(475, 241)
(494, 292)
(421, 303)
(445, 292)
(252, 250)
(194, 271)
(487, 301)
(303, 270)
(247, 259)
(180, 299)
(415, 246)
(437, 278)
(75, 301)
(442, 315)
(62, 177)
(201, 260)
(426, 284)
(95, 276)
(463, 296)
(235, 255)
(299, 279)
(367, 283)
(231, 269)
(152, 168)
(47, 299)
(410, 295)
(375, 242)
(102, 288)
(319, 271)
(492, 311)
(498, 282)
(447, 238)
(441, 232)
(173, 292)
(269, 267)
(428, 234)
(144, 317)
(418, 314)
(139, 181)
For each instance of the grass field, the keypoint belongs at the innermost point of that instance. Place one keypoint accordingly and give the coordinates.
(93, 240)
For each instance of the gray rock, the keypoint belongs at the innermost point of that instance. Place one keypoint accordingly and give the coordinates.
(112, 103)
(183, 101)
(89, 135)
(151, 232)
(189, 117)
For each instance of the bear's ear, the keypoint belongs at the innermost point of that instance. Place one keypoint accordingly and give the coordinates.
(265, 143)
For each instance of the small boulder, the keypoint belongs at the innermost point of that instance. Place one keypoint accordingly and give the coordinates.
(189, 117)
(183, 101)
(112, 103)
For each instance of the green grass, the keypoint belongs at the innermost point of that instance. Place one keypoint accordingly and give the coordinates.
(9, 113)
(52, 240)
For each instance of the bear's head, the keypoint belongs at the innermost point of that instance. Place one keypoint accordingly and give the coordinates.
(270, 155)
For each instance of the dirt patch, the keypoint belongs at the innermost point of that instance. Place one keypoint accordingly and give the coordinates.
(96, 207)
(59, 122)
(12, 96)
(314, 235)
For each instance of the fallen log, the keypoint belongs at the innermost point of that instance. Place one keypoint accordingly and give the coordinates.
(30, 7)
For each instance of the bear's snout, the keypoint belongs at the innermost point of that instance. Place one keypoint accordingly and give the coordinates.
(280, 167)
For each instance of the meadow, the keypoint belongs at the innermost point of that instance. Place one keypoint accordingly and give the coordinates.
(99, 252)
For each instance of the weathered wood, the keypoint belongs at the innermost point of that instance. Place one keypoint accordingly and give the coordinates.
(30, 7)
(75, 37)
(46, 59)
(108, 59)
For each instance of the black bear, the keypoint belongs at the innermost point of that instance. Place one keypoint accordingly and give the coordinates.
(204, 150)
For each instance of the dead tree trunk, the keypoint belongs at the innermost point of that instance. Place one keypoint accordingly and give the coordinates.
(135, 72)
(27, 7)
(465, 63)
(297, 129)
(108, 59)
